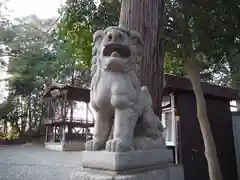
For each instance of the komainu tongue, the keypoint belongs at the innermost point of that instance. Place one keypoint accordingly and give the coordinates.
(115, 54)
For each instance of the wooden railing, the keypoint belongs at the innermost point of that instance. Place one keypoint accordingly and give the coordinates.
(80, 120)
(74, 120)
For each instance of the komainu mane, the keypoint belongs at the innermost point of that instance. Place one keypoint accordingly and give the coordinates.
(124, 117)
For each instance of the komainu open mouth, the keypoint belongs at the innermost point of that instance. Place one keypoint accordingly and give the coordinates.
(116, 50)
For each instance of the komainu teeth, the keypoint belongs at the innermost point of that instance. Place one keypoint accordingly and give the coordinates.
(115, 54)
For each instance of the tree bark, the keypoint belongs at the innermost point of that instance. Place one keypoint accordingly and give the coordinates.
(146, 17)
(209, 144)
(192, 67)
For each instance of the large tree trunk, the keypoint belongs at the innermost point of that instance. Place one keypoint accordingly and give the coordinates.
(209, 144)
(146, 17)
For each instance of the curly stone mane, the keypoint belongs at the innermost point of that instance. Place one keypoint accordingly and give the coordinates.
(97, 62)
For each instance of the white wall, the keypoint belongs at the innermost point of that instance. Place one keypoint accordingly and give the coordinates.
(233, 106)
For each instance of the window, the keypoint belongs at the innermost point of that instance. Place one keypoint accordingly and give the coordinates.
(169, 123)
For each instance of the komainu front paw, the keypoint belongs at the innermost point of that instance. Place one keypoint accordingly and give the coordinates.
(116, 145)
(94, 145)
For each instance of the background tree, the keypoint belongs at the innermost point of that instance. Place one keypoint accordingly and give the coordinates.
(30, 64)
(78, 21)
(46, 51)
(196, 41)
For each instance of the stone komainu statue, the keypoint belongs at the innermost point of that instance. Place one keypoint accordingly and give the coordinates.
(124, 117)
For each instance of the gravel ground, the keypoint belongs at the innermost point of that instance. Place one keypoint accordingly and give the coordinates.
(34, 162)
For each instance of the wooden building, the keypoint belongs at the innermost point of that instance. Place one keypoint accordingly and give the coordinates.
(64, 131)
(183, 132)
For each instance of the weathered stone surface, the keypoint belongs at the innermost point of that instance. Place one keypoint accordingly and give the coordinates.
(126, 160)
(89, 176)
(173, 172)
(120, 102)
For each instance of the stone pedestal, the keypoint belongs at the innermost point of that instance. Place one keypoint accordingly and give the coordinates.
(134, 165)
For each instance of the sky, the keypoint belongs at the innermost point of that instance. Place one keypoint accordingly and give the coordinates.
(44, 9)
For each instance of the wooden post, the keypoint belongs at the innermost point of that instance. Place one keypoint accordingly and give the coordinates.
(63, 135)
(65, 105)
(86, 112)
(64, 116)
(70, 131)
(46, 135)
(50, 132)
(54, 133)
(86, 130)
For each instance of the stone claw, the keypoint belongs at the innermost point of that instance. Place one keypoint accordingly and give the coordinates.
(116, 145)
(94, 145)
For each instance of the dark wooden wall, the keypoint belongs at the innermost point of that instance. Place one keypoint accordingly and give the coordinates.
(192, 147)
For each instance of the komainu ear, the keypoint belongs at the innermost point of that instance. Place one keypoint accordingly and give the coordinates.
(136, 38)
(97, 39)
(98, 36)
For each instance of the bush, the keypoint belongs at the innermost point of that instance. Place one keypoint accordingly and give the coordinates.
(12, 135)
(2, 136)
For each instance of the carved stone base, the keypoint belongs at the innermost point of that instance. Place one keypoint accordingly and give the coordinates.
(135, 165)
(119, 162)
(170, 172)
